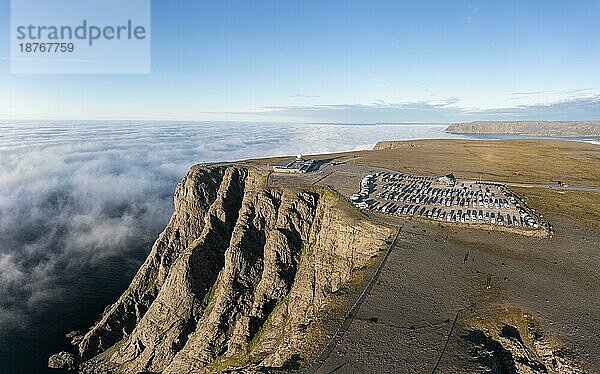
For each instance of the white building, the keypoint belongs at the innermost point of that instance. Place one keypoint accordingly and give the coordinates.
(449, 179)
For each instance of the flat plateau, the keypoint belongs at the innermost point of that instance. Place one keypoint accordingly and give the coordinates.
(550, 282)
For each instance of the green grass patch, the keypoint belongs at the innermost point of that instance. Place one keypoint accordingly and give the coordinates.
(251, 356)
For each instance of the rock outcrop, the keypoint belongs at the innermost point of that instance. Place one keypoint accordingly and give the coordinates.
(62, 360)
(520, 347)
(531, 128)
(238, 278)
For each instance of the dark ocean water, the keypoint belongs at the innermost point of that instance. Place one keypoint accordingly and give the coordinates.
(25, 349)
(81, 204)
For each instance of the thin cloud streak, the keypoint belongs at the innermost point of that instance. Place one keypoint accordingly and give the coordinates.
(445, 111)
(302, 96)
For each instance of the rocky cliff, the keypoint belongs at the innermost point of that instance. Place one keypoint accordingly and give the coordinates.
(532, 128)
(238, 278)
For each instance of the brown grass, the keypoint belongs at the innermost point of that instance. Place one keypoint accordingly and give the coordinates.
(537, 161)
(524, 161)
(582, 207)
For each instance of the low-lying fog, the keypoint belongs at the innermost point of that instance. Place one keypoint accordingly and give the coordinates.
(75, 196)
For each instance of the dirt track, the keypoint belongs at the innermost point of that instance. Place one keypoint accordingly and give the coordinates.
(554, 283)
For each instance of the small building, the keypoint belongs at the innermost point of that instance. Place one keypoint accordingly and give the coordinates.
(449, 179)
(299, 165)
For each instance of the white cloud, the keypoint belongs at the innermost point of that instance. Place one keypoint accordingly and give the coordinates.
(576, 104)
(79, 196)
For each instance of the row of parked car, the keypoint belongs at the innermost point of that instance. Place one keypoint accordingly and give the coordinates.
(463, 197)
(459, 215)
(527, 219)
(366, 187)
(387, 177)
(447, 200)
(425, 197)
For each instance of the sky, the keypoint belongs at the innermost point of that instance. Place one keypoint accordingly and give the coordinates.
(338, 61)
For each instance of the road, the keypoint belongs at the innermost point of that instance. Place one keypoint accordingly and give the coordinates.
(555, 187)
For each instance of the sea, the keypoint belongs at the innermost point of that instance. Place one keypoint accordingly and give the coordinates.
(82, 201)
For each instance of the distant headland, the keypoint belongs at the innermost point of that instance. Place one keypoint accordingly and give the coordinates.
(530, 128)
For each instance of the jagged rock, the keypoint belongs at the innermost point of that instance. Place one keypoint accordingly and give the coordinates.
(506, 351)
(75, 337)
(193, 196)
(62, 360)
(235, 279)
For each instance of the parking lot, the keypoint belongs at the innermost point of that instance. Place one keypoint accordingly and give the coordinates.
(444, 199)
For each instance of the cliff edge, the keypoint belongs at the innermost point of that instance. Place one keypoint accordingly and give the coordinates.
(238, 279)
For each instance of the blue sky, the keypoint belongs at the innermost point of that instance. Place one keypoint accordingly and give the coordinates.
(338, 61)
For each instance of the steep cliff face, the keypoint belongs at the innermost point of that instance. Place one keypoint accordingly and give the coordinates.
(193, 197)
(236, 279)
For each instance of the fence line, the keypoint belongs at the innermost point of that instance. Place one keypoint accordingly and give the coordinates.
(341, 331)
